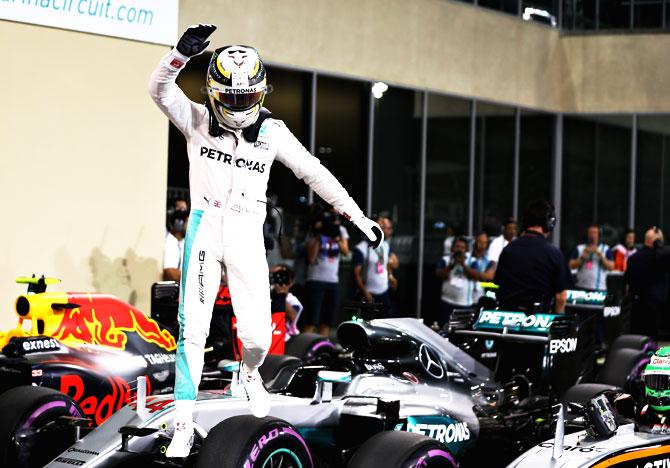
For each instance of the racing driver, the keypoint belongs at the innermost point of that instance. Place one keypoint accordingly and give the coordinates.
(654, 414)
(232, 141)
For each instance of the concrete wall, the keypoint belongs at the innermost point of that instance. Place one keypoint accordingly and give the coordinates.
(434, 44)
(616, 73)
(83, 163)
(450, 47)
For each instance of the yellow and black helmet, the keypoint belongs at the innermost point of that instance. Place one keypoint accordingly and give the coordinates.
(236, 85)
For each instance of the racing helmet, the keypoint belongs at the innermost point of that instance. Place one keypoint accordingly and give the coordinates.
(236, 85)
(656, 377)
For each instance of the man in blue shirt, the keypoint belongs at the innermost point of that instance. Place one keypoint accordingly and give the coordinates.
(532, 273)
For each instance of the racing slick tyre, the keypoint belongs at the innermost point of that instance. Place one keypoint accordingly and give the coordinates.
(399, 449)
(639, 342)
(622, 367)
(26, 411)
(249, 441)
(310, 347)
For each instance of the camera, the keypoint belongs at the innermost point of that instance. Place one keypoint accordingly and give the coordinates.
(330, 225)
(281, 277)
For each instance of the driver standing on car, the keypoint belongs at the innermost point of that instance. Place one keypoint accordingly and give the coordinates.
(232, 142)
(531, 271)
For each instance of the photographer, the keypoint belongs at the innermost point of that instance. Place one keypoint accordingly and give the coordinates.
(174, 245)
(592, 261)
(458, 280)
(281, 279)
(532, 272)
(646, 280)
(329, 241)
(373, 268)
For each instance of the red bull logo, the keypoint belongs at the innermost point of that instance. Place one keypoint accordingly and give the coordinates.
(105, 320)
(99, 408)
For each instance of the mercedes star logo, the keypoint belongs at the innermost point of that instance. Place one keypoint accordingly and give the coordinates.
(430, 362)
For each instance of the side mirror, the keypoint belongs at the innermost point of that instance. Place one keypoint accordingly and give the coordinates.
(324, 385)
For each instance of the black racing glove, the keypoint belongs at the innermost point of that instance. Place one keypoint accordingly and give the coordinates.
(193, 41)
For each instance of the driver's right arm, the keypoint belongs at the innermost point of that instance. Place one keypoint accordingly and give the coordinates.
(170, 99)
(181, 111)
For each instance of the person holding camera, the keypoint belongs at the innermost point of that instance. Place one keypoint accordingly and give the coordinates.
(646, 282)
(328, 242)
(458, 280)
(373, 269)
(532, 273)
(592, 261)
(174, 245)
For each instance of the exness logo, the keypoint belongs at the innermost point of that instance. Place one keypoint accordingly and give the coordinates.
(201, 276)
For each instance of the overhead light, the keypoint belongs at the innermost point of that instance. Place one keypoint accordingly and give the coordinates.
(378, 89)
(537, 14)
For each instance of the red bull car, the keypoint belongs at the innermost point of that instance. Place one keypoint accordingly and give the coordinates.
(90, 346)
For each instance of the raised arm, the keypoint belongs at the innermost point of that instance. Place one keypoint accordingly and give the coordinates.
(293, 155)
(163, 89)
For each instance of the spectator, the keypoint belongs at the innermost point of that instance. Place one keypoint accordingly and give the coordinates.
(531, 272)
(180, 204)
(647, 283)
(480, 262)
(592, 261)
(449, 241)
(174, 245)
(329, 241)
(457, 280)
(373, 268)
(623, 251)
(500, 242)
(281, 278)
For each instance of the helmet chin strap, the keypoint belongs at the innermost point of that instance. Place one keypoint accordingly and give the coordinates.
(249, 132)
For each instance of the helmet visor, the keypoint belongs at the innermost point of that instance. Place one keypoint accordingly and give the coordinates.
(236, 101)
(658, 382)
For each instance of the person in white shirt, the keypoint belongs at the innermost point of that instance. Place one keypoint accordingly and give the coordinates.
(174, 245)
(373, 269)
(329, 242)
(500, 242)
(592, 261)
(458, 280)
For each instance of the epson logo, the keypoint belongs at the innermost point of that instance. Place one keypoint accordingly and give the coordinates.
(564, 345)
(586, 296)
(444, 433)
(514, 319)
(45, 344)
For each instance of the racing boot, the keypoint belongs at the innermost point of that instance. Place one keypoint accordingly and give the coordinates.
(182, 438)
(258, 396)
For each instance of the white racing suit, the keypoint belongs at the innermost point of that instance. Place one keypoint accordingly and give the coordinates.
(228, 177)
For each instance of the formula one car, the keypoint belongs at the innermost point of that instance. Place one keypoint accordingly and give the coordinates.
(401, 396)
(552, 351)
(92, 347)
(618, 430)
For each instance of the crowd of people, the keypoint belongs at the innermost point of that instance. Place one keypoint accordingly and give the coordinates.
(310, 258)
(312, 254)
